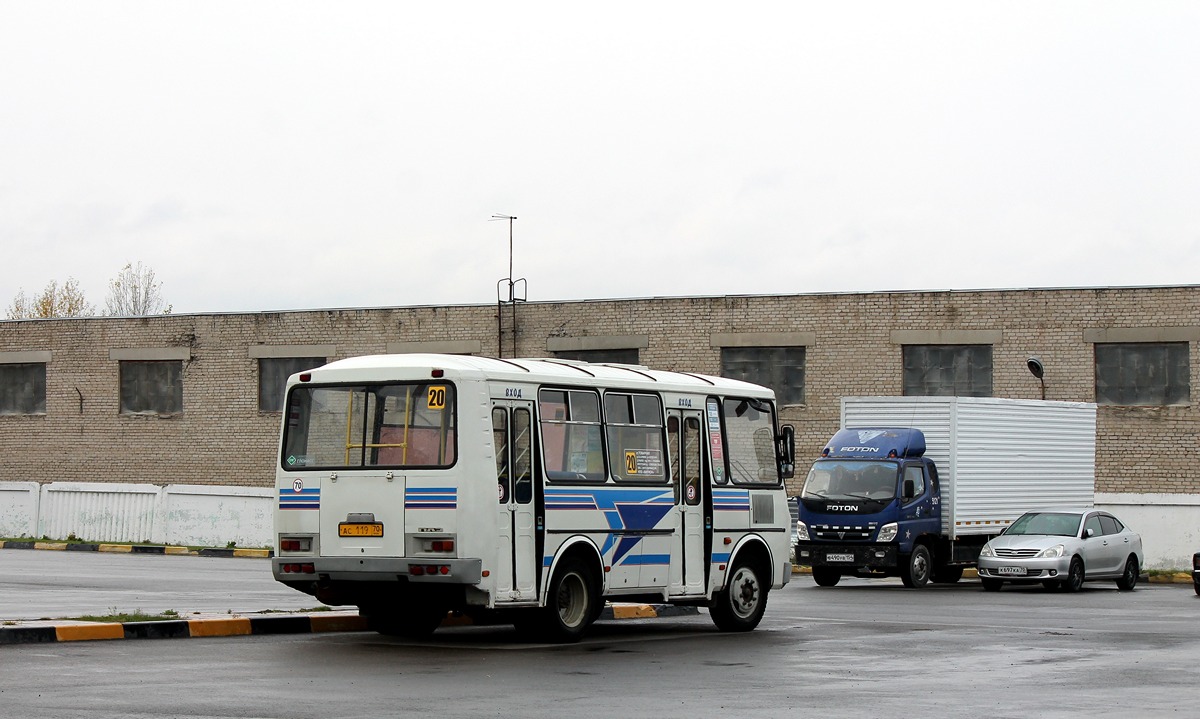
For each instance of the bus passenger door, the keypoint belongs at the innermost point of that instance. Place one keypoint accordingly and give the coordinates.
(517, 565)
(686, 445)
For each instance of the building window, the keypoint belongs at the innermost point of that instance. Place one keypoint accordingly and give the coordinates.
(23, 388)
(780, 368)
(622, 356)
(151, 387)
(273, 373)
(1143, 373)
(948, 370)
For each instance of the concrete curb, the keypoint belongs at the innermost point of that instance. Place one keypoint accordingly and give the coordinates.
(239, 626)
(224, 626)
(118, 548)
(971, 573)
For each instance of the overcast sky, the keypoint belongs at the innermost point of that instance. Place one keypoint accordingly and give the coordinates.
(295, 155)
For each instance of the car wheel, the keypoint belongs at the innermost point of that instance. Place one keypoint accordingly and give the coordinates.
(826, 577)
(1129, 578)
(1074, 580)
(740, 605)
(1196, 586)
(992, 585)
(916, 572)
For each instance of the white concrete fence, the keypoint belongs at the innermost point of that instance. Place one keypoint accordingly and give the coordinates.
(175, 514)
(211, 516)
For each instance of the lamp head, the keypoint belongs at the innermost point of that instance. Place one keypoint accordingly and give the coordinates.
(1035, 367)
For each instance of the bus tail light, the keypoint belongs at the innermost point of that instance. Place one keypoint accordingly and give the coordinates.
(429, 570)
(295, 544)
(305, 568)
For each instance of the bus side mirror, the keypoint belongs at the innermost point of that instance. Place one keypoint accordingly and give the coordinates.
(786, 451)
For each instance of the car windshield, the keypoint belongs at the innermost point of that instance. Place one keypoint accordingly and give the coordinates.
(851, 479)
(1063, 524)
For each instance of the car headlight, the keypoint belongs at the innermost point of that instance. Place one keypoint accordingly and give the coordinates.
(1055, 551)
(801, 531)
(887, 532)
(987, 551)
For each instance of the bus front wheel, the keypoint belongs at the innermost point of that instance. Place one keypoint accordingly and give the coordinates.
(740, 605)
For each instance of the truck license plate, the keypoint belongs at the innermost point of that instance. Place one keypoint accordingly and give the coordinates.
(346, 529)
(839, 557)
(1011, 571)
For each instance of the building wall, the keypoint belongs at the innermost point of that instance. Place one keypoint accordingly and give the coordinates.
(853, 347)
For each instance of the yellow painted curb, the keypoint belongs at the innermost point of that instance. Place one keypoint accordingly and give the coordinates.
(83, 632)
(232, 627)
(251, 552)
(50, 545)
(176, 550)
(338, 623)
(115, 548)
(633, 611)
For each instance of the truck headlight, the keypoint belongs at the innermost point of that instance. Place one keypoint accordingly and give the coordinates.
(887, 532)
(801, 531)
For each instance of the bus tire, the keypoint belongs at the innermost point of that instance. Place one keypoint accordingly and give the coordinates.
(411, 622)
(571, 604)
(740, 605)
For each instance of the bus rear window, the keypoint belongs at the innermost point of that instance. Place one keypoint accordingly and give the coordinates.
(394, 425)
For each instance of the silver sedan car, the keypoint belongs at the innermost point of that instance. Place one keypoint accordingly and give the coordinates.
(1062, 548)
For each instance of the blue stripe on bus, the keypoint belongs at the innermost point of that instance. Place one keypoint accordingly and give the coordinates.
(731, 500)
(309, 498)
(718, 558)
(431, 498)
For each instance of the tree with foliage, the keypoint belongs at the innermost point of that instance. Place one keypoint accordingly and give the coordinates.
(134, 293)
(54, 301)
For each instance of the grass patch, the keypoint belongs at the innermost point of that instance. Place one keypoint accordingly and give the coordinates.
(136, 615)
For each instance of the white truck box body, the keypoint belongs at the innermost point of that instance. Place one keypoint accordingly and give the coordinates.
(996, 458)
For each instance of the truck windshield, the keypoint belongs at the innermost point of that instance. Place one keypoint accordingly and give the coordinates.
(851, 479)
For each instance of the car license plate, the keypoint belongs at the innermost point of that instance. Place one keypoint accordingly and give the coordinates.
(839, 557)
(346, 529)
(1011, 571)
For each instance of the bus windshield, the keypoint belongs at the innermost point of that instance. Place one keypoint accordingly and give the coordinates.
(391, 425)
(851, 479)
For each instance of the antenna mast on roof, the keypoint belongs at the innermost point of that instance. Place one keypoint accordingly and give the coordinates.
(508, 287)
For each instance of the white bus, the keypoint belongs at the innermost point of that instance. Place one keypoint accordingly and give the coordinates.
(529, 491)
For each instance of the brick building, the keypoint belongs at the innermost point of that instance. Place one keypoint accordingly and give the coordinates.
(194, 399)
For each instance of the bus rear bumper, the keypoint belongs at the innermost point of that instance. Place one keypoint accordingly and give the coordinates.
(293, 570)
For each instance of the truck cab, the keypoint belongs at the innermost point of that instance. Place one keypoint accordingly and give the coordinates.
(871, 506)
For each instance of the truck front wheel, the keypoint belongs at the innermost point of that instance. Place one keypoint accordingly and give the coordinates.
(826, 577)
(915, 573)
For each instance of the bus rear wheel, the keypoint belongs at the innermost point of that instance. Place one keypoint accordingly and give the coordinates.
(571, 605)
(412, 622)
(740, 605)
